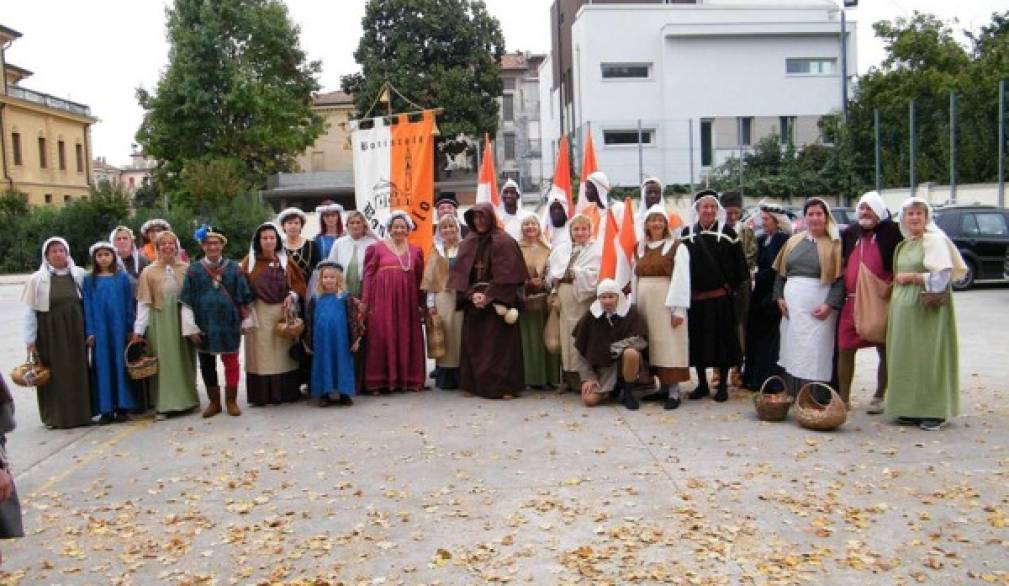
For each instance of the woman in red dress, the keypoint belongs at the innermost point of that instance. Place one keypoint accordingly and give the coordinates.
(393, 268)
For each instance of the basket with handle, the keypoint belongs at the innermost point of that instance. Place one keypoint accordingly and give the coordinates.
(289, 327)
(140, 362)
(772, 405)
(812, 414)
(32, 373)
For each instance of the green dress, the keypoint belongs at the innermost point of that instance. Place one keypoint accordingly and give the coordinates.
(542, 367)
(66, 400)
(174, 386)
(923, 379)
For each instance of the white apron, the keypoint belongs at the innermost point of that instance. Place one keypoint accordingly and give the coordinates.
(807, 343)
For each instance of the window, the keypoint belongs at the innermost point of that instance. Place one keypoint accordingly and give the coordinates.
(628, 137)
(786, 129)
(707, 153)
(991, 225)
(626, 70)
(61, 154)
(79, 154)
(810, 66)
(508, 107)
(509, 83)
(42, 152)
(968, 225)
(49, 198)
(16, 141)
(132, 183)
(513, 175)
(745, 130)
(509, 146)
(67, 199)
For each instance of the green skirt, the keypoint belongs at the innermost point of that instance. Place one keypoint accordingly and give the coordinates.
(542, 368)
(174, 386)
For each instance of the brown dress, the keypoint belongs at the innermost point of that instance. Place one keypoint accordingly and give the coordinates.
(66, 400)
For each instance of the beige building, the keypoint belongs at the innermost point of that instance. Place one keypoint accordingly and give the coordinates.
(327, 167)
(130, 178)
(45, 151)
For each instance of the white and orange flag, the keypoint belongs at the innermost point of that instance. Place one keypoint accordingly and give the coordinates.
(394, 170)
(589, 166)
(486, 189)
(619, 240)
(561, 184)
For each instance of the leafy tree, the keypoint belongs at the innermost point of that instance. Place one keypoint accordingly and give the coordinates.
(237, 86)
(438, 53)
(208, 183)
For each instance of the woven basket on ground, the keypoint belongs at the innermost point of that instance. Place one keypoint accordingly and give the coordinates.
(812, 414)
(772, 403)
(140, 363)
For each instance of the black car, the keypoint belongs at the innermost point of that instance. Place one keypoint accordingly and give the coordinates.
(982, 235)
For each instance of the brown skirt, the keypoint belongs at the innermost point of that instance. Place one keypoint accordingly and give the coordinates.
(263, 389)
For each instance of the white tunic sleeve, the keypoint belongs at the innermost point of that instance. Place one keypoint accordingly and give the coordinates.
(30, 326)
(937, 281)
(678, 297)
(143, 318)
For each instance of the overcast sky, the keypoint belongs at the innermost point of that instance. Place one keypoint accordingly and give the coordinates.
(98, 52)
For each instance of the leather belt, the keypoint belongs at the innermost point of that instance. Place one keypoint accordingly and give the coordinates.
(713, 294)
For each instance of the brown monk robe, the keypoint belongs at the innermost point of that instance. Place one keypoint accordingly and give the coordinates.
(489, 270)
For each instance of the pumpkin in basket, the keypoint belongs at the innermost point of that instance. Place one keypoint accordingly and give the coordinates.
(140, 363)
(32, 373)
(772, 402)
(811, 413)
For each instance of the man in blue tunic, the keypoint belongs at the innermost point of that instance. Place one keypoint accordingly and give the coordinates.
(215, 298)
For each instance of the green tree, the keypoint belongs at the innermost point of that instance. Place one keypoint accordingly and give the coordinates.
(437, 53)
(237, 86)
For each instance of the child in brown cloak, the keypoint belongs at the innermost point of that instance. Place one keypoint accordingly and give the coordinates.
(610, 338)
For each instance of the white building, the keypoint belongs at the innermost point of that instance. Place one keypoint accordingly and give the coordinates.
(673, 89)
(518, 141)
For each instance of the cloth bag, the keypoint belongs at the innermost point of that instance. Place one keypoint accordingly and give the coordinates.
(552, 329)
(872, 305)
(436, 348)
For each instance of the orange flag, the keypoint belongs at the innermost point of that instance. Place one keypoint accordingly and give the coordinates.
(589, 166)
(486, 189)
(562, 175)
(609, 261)
(626, 241)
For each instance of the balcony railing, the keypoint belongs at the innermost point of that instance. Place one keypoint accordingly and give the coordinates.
(48, 101)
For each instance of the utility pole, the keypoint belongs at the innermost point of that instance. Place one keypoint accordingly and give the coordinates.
(879, 155)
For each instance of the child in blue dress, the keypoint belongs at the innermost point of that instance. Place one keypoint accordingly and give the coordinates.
(332, 336)
(109, 312)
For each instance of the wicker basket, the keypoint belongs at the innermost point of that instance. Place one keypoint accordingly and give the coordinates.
(812, 414)
(32, 373)
(289, 327)
(140, 363)
(772, 405)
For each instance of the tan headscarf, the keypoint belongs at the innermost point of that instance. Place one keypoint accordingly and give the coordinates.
(828, 248)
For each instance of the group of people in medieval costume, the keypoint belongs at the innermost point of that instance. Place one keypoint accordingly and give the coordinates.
(342, 313)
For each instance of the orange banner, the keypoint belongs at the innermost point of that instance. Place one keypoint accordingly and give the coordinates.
(412, 173)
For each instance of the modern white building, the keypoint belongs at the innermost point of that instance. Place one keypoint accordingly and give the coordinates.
(672, 89)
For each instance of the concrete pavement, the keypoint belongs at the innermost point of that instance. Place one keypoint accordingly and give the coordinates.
(440, 488)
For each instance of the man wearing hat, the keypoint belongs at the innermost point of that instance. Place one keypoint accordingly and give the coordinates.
(215, 297)
(717, 268)
(447, 205)
(732, 201)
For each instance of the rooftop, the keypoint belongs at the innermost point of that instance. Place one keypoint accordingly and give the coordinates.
(48, 101)
(9, 32)
(332, 98)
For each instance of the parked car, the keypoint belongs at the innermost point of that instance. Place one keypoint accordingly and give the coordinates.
(982, 235)
(844, 216)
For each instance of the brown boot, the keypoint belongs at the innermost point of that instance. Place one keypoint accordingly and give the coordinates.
(214, 394)
(231, 401)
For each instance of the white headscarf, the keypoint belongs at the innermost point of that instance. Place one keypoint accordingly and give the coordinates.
(695, 216)
(875, 202)
(163, 224)
(36, 292)
(286, 215)
(939, 251)
(103, 244)
(134, 252)
(610, 286)
(832, 230)
(656, 210)
(602, 183)
(399, 214)
(281, 252)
